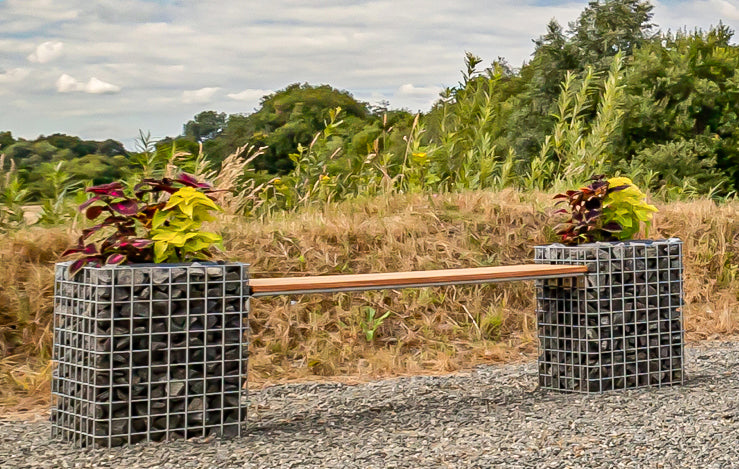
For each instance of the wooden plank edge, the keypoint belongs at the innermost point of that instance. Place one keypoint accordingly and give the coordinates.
(400, 279)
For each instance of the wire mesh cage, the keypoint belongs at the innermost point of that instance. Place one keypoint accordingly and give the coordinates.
(149, 352)
(620, 326)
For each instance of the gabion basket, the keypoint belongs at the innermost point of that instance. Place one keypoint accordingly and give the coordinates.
(620, 326)
(149, 352)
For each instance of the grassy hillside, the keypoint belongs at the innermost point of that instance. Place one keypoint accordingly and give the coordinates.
(427, 331)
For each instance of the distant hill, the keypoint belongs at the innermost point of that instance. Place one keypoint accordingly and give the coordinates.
(65, 156)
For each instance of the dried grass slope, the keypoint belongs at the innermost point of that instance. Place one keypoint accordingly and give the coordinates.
(361, 336)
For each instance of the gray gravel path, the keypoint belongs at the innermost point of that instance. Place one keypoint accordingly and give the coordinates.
(492, 417)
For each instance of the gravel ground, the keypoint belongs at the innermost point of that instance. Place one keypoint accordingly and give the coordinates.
(491, 417)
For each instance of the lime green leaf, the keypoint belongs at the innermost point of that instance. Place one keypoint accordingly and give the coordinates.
(158, 219)
(160, 251)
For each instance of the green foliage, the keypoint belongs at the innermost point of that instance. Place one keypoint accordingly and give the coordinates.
(205, 126)
(681, 94)
(579, 143)
(286, 119)
(150, 161)
(12, 197)
(628, 208)
(465, 128)
(370, 323)
(603, 29)
(176, 229)
(81, 160)
(6, 139)
(491, 323)
(55, 206)
(678, 164)
(610, 27)
(96, 168)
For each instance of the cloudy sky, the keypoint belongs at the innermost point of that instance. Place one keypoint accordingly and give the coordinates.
(106, 68)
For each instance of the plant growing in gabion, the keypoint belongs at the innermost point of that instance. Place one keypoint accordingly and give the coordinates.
(148, 350)
(621, 325)
(161, 221)
(605, 210)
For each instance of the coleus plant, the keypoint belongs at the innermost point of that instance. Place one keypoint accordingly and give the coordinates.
(605, 210)
(175, 228)
(161, 221)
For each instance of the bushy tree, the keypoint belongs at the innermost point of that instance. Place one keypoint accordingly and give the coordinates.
(681, 92)
(81, 160)
(285, 119)
(205, 126)
(6, 139)
(602, 30)
(606, 28)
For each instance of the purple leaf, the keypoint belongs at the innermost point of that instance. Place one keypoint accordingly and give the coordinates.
(108, 221)
(88, 231)
(612, 227)
(90, 249)
(594, 213)
(141, 243)
(618, 188)
(190, 180)
(77, 266)
(113, 189)
(94, 212)
(134, 243)
(158, 184)
(126, 207)
(74, 250)
(115, 259)
(89, 202)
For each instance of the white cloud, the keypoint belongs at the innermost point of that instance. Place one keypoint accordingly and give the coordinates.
(20, 16)
(14, 75)
(46, 52)
(97, 86)
(67, 84)
(249, 95)
(695, 14)
(415, 98)
(727, 10)
(418, 91)
(200, 96)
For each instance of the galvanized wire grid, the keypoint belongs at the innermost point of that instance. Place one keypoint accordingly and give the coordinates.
(620, 326)
(149, 352)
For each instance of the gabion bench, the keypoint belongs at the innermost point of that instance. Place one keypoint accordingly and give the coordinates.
(132, 366)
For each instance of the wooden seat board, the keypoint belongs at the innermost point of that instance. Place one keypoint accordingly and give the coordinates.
(286, 285)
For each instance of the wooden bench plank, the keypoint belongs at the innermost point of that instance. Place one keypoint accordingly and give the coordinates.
(279, 286)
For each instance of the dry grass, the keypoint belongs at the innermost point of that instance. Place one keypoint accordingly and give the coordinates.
(433, 330)
(26, 288)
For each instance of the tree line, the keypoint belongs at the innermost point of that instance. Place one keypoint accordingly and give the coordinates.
(609, 92)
